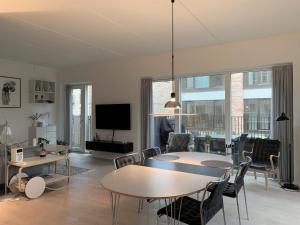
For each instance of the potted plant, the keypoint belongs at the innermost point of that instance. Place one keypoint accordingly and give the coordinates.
(42, 142)
(35, 118)
(207, 142)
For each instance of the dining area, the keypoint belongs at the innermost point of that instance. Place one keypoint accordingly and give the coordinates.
(185, 187)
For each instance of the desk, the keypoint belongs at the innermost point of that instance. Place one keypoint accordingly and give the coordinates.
(160, 179)
(36, 161)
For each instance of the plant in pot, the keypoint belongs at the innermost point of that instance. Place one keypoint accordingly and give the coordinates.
(35, 117)
(42, 142)
(207, 142)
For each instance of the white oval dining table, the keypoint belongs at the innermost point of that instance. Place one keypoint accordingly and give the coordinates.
(155, 183)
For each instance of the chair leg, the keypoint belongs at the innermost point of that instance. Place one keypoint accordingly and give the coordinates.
(246, 201)
(255, 177)
(266, 180)
(224, 215)
(238, 207)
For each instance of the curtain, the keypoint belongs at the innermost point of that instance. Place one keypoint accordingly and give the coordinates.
(146, 109)
(283, 102)
(67, 116)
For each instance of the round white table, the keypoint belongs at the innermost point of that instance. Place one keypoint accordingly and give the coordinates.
(155, 183)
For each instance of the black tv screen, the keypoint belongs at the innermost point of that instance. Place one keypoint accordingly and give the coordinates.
(113, 117)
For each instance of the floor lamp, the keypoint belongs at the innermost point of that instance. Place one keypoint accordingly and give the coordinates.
(6, 133)
(289, 185)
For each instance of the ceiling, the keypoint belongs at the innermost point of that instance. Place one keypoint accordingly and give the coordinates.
(61, 33)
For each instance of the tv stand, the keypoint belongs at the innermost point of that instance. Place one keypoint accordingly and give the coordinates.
(110, 146)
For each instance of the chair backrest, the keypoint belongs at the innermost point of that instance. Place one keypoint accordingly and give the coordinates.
(263, 148)
(179, 142)
(243, 168)
(241, 143)
(150, 152)
(211, 206)
(125, 161)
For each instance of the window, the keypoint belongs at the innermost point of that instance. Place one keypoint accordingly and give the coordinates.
(207, 100)
(202, 82)
(190, 82)
(251, 103)
(162, 123)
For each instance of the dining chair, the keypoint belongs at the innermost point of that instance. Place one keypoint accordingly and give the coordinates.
(179, 142)
(232, 189)
(193, 212)
(126, 160)
(130, 159)
(150, 152)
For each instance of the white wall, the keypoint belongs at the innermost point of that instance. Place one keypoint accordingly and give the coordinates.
(117, 82)
(18, 117)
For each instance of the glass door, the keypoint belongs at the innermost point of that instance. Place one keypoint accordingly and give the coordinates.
(77, 113)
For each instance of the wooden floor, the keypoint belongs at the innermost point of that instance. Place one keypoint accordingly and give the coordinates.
(84, 202)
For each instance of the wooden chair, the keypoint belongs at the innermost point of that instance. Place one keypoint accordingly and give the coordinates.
(265, 155)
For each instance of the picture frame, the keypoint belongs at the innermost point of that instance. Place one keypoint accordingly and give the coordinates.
(10, 88)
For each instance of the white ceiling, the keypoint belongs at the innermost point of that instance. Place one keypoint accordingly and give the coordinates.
(60, 33)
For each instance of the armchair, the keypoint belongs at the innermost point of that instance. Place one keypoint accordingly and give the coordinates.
(265, 154)
(179, 142)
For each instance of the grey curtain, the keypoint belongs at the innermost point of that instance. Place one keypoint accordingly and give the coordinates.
(146, 109)
(67, 116)
(283, 102)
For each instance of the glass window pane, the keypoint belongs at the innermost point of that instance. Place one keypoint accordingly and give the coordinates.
(202, 82)
(251, 103)
(190, 82)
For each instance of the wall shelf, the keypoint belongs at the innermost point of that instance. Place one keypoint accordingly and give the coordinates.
(42, 91)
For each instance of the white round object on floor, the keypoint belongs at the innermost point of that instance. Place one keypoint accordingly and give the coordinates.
(35, 187)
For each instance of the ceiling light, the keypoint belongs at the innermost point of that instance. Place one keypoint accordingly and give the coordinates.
(172, 103)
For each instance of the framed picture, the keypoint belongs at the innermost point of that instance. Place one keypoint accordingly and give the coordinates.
(10, 88)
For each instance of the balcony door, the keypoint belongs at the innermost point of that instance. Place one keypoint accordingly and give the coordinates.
(79, 116)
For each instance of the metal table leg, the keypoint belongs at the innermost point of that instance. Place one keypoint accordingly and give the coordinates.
(115, 207)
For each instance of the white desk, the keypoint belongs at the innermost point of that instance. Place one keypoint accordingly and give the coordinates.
(35, 161)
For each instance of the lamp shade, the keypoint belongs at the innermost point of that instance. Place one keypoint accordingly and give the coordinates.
(282, 117)
(6, 131)
(172, 103)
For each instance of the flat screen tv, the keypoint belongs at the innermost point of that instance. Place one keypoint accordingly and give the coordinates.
(113, 117)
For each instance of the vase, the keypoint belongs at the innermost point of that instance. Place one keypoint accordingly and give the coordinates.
(207, 148)
(34, 123)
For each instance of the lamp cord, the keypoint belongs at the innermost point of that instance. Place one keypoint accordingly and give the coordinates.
(173, 83)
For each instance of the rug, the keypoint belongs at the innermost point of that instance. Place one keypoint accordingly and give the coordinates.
(61, 169)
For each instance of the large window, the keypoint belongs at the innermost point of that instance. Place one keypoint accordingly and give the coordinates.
(251, 103)
(206, 99)
(224, 106)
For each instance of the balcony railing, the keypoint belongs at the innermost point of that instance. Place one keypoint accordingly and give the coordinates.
(254, 126)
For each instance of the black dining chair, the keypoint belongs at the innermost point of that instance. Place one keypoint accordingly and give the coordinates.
(193, 212)
(130, 159)
(126, 160)
(232, 189)
(150, 152)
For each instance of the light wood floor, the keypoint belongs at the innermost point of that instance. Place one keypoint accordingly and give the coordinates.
(84, 202)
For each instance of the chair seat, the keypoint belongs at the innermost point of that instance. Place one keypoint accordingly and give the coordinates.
(260, 166)
(190, 211)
